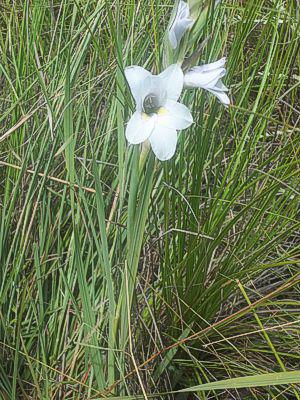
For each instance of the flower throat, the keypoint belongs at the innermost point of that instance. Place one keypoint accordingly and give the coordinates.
(151, 104)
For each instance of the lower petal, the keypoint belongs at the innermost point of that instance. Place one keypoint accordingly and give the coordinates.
(163, 142)
(219, 86)
(221, 96)
(139, 128)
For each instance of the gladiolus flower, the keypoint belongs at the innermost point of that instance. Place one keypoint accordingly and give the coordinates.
(209, 77)
(158, 114)
(181, 23)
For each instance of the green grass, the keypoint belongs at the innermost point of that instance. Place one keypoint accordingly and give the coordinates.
(126, 277)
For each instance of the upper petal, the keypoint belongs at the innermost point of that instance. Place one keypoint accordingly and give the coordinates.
(139, 128)
(163, 142)
(209, 67)
(135, 76)
(172, 81)
(196, 77)
(153, 85)
(175, 116)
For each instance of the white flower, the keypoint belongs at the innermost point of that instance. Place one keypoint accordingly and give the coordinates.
(158, 115)
(209, 77)
(181, 23)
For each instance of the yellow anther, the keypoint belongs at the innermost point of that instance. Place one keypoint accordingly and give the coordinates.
(162, 111)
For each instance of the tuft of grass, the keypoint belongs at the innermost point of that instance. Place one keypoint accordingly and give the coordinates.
(125, 277)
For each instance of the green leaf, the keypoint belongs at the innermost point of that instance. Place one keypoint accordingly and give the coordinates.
(272, 379)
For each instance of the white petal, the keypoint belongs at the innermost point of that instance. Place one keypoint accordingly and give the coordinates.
(139, 128)
(174, 116)
(180, 24)
(183, 10)
(213, 77)
(178, 30)
(221, 96)
(219, 86)
(195, 77)
(163, 142)
(217, 64)
(135, 76)
(172, 38)
(153, 85)
(172, 81)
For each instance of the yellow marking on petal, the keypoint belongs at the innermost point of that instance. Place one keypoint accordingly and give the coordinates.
(145, 116)
(162, 111)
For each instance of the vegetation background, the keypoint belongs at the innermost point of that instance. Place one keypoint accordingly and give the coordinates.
(120, 281)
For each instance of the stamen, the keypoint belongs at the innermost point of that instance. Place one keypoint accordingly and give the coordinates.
(151, 104)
